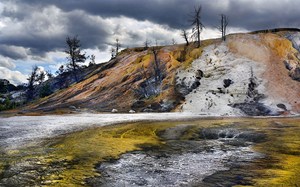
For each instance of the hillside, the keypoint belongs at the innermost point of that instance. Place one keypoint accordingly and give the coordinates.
(249, 74)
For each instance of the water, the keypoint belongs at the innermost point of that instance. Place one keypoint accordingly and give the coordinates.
(21, 130)
(81, 150)
(181, 163)
(171, 169)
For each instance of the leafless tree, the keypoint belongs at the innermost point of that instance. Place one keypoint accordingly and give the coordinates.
(153, 77)
(146, 44)
(113, 53)
(74, 55)
(184, 34)
(157, 67)
(173, 41)
(223, 27)
(156, 42)
(197, 24)
(118, 45)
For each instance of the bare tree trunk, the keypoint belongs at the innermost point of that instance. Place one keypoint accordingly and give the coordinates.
(198, 33)
(74, 70)
(118, 45)
(157, 72)
(198, 26)
(184, 34)
(223, 27)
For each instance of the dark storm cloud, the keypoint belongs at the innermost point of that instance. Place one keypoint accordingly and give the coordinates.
(40, 27)
(253, 15)
(12, 52)
(46, 31)
(170, 12)
(37, 45)
(91, 32)
(248, 14)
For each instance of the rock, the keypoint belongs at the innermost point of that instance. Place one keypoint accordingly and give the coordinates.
(155, 106)
(131, 111)
(254, 109)
(182, 89)
(199, 74)
(282, 106)
(138, 104)
(174, 133)
(227, 83)
(148, 110)
(294, 70)
(287, 65)
(195, 85)
(221, 91)
(114, 110)
(72, 108)
(295, 74)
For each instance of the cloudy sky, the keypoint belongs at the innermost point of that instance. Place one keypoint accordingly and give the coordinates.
(33, 32)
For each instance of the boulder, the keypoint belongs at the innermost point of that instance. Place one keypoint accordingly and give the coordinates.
(282, 106)
(131, 111)
(72, 108)
(227, 83)
(114, 110)
(138, 105)
(254, 109)
(199, 74)
(295, 74)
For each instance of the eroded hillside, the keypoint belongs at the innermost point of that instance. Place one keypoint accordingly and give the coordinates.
(249, 74)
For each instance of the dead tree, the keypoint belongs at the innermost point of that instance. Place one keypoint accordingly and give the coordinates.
(197, 25)
(146, 44)
(157, 67)
(113, 53)
(153, 77)
(173, 41)
(118, 45)
(223, 27)
(184, 34)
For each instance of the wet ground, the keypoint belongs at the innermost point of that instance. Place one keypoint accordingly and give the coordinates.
(207, 152)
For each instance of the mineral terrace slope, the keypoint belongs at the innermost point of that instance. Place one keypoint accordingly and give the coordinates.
(242, 58)
(273, 51)
(261, 70)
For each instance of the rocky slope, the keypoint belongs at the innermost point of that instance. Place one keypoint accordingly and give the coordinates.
(249, 74)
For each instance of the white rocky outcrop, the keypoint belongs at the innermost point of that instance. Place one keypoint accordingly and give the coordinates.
(224, 83)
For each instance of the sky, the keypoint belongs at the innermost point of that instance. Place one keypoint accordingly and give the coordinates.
(33, 32)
